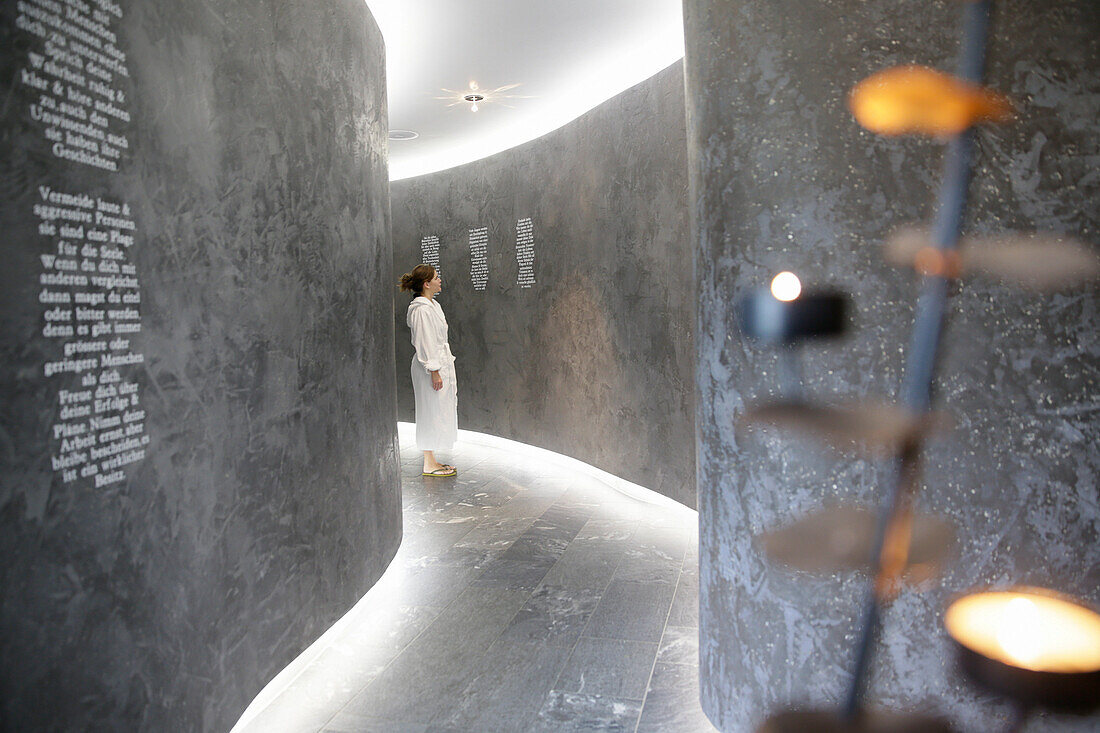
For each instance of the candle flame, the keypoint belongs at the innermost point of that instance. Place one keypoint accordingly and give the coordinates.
(1032, 630)
(1018, 631)
(786, 286)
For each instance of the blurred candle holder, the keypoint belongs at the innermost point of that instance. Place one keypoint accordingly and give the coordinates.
(784, 314)
(1033, 646)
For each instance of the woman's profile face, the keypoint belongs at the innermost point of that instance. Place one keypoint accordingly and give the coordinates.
(435, 284)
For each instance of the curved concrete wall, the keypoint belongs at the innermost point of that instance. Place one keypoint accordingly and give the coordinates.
(587, 351)
(783, 178)
(238, 489)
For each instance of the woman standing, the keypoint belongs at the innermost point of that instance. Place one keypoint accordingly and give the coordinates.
(433, 370)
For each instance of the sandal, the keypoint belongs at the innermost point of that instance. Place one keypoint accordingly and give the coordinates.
(442, 472)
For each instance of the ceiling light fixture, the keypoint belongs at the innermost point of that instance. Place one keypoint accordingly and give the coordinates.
(475, 94)
(403, 135)
(569, 58)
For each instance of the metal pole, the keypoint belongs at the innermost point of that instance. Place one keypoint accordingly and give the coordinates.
(927, 327)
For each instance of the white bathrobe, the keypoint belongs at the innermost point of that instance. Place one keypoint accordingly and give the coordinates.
(436, 411)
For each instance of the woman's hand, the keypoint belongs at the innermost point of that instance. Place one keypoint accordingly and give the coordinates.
(437, 381)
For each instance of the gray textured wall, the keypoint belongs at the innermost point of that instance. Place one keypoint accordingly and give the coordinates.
(268, 498)
(782, 178)
(594, 360)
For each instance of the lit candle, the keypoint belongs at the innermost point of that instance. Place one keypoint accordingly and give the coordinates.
(786, 286)
(784, 313)
(1027, 629)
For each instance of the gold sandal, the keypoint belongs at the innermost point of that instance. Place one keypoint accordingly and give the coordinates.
(442, 472)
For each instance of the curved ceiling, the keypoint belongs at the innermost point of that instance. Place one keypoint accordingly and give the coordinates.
(563, 57)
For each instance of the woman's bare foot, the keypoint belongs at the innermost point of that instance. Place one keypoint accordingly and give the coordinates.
(432, 467)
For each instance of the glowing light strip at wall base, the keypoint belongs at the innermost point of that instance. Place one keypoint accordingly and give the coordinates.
(284, 679)
(406, 434)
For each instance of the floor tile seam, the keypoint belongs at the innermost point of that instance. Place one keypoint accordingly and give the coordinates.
(570, 692)
(565, 664)
(524, 562)
(386, 666)
(329, 719)
(380, 672)
(490, 475)
(438, 719)
(572, 648)
(619, 638)
(475, 661)
(610, 698)
(684, 554)
(535, 587)
(463, 536)
(482, 458)
(588, 621)
(405, 648)
(477, 524)
(600, 591)
(678, 557)
(477, 573)
(486, 508)
(505, 550)
(653, 667)
(427, 531)
(533, 715)
(489, 470)
(288, 686)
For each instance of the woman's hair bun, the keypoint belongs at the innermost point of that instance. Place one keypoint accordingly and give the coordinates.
(414, 281)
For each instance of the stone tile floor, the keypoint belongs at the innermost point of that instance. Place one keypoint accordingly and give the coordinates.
(526, 596)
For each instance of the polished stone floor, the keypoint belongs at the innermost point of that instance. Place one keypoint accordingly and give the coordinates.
(526, 596)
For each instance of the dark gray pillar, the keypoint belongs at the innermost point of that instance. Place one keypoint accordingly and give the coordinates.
(191, 496)
(783, 178)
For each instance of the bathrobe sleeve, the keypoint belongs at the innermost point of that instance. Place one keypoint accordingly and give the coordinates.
(425, 338)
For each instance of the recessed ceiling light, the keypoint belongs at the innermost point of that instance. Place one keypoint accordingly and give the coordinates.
(403, 135)
(473, 99)
(476, 94)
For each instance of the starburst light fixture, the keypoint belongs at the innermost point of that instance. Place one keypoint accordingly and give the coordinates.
(475, 95)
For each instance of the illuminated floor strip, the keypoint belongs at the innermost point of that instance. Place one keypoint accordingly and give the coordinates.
(532, 592)
(407, 436)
